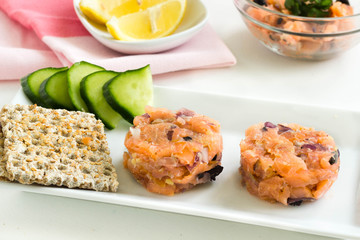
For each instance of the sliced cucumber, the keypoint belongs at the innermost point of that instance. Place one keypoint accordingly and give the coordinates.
(129, 92)
(54, 91)
(31, 83)
(91, 88)
(76, 73)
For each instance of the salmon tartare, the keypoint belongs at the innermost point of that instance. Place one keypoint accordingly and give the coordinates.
(277, 25)
(288, 163)
(171, 152)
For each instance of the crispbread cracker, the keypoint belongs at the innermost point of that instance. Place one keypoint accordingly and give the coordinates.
(2, 161)
(56, 147)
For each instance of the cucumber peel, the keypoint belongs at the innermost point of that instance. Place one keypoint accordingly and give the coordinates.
(129, 92)
(31, 83)
(91, 88)
(111, 96)
(54, 91)
(76, 73)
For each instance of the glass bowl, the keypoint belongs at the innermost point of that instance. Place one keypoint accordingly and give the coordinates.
(301, 37)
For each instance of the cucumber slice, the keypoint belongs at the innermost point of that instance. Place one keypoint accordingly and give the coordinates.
(31, 83)
(91, 88)
(76, 73)
(54, 91)
(129, 92)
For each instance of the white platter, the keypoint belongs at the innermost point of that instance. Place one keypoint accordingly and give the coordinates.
(193, 22)
(336, 214)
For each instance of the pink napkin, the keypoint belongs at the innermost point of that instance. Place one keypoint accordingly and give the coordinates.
(50, 34)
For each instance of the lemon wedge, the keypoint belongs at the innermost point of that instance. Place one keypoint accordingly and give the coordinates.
(156, 21)
(101, 11)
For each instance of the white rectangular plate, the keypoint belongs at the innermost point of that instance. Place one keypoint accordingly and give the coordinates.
(336, 214)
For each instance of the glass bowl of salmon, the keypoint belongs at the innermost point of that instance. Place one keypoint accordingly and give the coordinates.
(303, 29)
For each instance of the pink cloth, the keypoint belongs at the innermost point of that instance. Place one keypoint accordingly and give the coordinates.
(40, 33)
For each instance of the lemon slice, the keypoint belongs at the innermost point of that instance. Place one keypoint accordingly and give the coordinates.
(154, 22)
(101, 11)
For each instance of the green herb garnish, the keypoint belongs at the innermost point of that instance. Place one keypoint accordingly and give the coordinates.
(309, 8)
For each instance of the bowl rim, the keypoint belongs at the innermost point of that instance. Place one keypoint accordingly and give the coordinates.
(295, 18)
(88, 24)
(299, 18)
(301, 34)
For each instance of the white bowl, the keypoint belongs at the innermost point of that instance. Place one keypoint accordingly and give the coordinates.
(194, 20)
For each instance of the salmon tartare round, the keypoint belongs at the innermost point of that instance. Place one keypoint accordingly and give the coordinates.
(171, 152)
(288, 163)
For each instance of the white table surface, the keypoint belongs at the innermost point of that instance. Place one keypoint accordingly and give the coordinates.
(257, 74)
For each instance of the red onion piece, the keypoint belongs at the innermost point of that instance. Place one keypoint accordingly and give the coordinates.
(309, 146)
(202, 157)
(185, 112)
(146, 115)
(283, 129)
(205, 155)
(269, 125)
(314, 146)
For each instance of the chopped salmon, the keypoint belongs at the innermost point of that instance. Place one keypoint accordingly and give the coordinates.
(170, 152)
(288, 163)
(295, 44)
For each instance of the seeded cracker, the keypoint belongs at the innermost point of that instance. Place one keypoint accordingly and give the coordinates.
(2, 161)
(55, 147)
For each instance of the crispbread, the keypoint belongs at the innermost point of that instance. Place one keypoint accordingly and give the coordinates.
(56, 147)
(2, 162)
